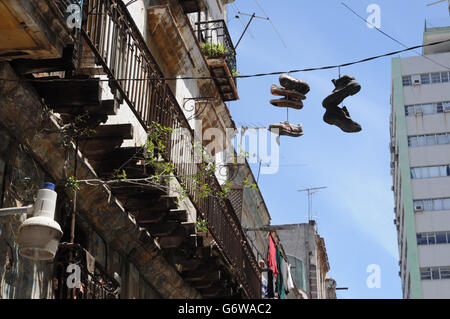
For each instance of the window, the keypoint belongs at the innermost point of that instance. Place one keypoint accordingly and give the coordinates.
(425, 273)
(428, 108)
(407, 81)
(445, 272)
(427, 140)
(435, 78)
(441, 139)
(410, 110)
(432, 204)
(412, 141)
(441, 238)
(440, 108)
(425, 78)
(435, 273)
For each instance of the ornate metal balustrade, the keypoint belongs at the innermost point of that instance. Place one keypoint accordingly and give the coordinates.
(220, 53)
(110, 33)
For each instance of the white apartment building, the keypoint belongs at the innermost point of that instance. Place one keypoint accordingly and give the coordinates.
(420, 166)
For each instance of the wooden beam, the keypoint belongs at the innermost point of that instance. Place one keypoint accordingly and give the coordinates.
(202, 274)
(108, 107)
(69, 93)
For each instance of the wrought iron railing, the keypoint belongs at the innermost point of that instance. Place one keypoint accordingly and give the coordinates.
(216, 43)
(112, 35)
(89, 282)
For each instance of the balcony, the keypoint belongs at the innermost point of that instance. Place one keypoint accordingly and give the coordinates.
(94, 282)
(31, 29)
(191, 6)
(109, 40)
(220, 55)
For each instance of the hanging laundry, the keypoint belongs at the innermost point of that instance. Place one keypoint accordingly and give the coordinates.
(284, 272)
(264, 282)
(270, 283)
(264, 278)
(280, 281)
(272, 256)
(290, 281)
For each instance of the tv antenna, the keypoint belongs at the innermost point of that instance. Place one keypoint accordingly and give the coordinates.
(252, 16)
(311, 192)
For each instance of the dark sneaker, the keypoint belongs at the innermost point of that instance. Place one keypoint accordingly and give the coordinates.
(290, 83)
(344, 87)
(298, 105)
(341, 118)
(281, 91)
(286, 128)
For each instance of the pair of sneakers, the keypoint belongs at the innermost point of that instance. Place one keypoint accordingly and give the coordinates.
(293, 92)
(334, 115)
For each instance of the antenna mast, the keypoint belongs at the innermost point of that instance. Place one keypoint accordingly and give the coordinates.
(311, 191)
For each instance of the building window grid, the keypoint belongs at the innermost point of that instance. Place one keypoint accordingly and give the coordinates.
(435, 273)
(432, 204)
(433, 238)
(428, 140)
(427, 108)
(427, 78)
(430, 172)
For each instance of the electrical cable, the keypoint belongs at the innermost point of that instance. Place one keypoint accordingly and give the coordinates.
(392, 38)
(273, 25)
(238, 76)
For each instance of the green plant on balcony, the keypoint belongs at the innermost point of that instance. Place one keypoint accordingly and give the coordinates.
(214, 51)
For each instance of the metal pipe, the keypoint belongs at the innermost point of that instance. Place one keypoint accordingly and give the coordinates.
(16, 211)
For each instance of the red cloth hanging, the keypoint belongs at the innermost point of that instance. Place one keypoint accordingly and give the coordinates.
(272, 256)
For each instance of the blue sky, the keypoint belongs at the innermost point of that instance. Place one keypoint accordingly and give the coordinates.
(355, 213)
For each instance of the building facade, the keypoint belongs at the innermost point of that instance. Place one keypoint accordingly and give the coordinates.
(306, 250)
(94, 100)
(420, 167)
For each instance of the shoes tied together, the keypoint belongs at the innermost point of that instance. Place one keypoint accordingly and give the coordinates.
(294, 92)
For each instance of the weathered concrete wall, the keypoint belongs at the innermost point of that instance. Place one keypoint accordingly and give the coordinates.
(19, 277)
(25, 118)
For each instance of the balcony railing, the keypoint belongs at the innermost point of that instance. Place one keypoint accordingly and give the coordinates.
(216, 44)
(93, 281)
(216, 41)
(111, 34)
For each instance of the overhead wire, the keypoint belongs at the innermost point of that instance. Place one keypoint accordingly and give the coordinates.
(272, 24)
(237, 76)
(391, 37)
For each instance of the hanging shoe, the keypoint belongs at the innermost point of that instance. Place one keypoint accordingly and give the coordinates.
(341, 118)
(286, 128)
(281, 91)
(344, 87)
(298, 105)
(290, 83)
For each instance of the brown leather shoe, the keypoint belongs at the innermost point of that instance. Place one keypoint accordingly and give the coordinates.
(281, 91)
(298, 105)
(288, 129)
(290, 83)
(341, 118)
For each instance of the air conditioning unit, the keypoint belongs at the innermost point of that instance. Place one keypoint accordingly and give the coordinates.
(416, 79)
(392, 188)
(418, 208)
